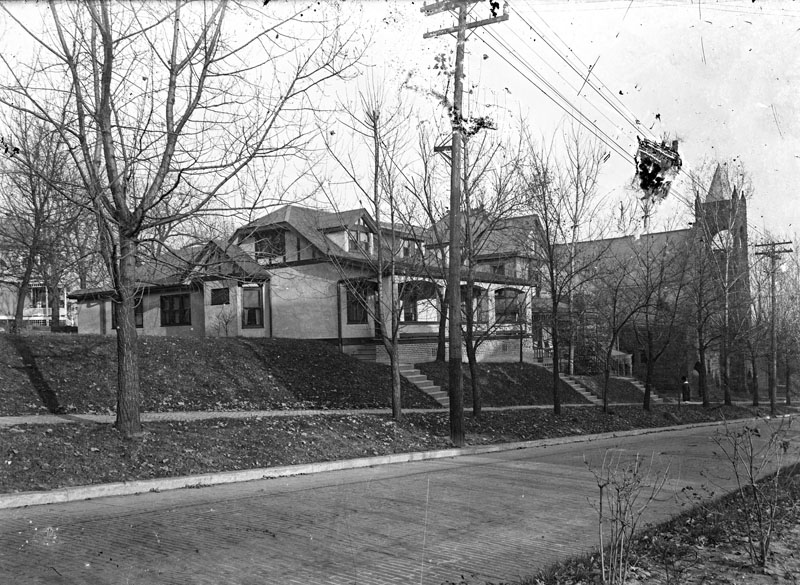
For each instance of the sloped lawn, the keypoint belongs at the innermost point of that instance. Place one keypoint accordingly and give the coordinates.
(505, 384)
(619, 391)
(77, 373)
(41, 457)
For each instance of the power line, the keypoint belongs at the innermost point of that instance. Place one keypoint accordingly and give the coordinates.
(597, 132)
(630, 117)
(565, 80)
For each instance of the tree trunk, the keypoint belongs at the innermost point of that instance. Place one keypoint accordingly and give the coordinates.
(726, 369)
(128, 421)
(22, 295)
(556, 370)
(606, 378)
(754, 385)
(477, 402)
(397, 411)
(788, 384)
(55, 312)
(648, 382)
(702, 382)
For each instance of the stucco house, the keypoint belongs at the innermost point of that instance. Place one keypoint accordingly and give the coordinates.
(216, 291)
(305, 273)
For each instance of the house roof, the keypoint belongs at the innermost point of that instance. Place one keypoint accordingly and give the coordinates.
(182, 268)
(310, 223)
(496, 237)
(304, 221)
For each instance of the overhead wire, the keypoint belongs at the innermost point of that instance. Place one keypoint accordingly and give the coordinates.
(564, 79)
(630, 117)
(591, 127)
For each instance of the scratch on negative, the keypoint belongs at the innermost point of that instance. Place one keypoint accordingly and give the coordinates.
(775, 117)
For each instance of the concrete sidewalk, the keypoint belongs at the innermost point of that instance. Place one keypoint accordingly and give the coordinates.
(54, 419)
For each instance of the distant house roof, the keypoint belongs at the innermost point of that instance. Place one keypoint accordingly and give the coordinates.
(495, 237)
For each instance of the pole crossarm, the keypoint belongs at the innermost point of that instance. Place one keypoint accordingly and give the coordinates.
(469, 25)
(445, 5)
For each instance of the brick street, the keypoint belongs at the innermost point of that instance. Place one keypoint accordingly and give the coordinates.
(493, 517)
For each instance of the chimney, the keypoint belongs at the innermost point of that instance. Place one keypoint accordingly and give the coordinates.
(675, 146)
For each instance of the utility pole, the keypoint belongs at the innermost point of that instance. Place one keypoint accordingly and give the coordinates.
(773, 253)
(454, 256)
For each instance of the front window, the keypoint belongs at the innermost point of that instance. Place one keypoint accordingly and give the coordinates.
(220, 296)
(356, 305)
(271, 244)
(358, 241)
(507, 307)
(176, 310)
(252, 307)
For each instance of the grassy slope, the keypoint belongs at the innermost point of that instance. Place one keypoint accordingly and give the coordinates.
(505, 384)
(618, 390)
(40, 457)
(77, 373)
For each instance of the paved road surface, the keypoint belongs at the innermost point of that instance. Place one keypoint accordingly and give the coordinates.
(497, 516)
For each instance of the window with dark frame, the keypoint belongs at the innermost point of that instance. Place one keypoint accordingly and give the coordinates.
(252, 307)
(176, 310)
(220, 296)
(356, 306)
(507, 305)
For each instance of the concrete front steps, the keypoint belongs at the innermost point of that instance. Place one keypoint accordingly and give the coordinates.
(654, 398)
(368, 353)
(421, 381)
(581, 389)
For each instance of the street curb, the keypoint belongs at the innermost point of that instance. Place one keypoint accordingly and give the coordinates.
(77, 493)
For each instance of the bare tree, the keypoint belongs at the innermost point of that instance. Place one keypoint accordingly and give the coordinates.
(491, 202)
(379, 125)
(563, 195)
(166, 104)
(37, 220)
(424, 212)
(661, 265)
(616, 298)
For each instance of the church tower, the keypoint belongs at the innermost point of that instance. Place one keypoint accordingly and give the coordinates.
(721, 229)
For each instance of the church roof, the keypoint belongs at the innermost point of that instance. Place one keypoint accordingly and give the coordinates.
(719, 189)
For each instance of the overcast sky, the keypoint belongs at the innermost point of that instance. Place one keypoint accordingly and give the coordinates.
(723, 77)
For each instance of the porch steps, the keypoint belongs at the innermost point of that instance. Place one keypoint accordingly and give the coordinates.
(581, 389)
(421, 381)
(368, 353)
(654, 398)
